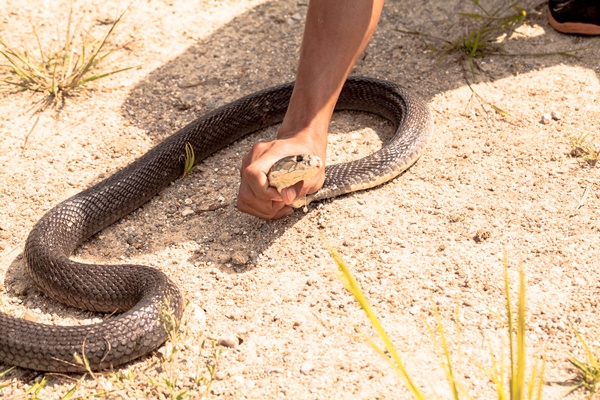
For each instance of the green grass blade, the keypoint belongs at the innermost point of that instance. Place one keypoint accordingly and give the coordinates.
(189, 159)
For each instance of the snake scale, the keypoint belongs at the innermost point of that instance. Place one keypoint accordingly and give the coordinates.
(140, 295)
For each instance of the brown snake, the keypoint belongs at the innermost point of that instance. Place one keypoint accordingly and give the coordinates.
(140, 295)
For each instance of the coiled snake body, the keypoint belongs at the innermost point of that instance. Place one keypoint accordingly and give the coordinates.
(145, 295)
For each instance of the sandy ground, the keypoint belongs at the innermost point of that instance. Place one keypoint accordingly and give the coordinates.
(433, 237)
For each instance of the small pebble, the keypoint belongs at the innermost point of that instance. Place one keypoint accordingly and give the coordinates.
(318, 382)
(556, 116)
(580, 282)
(220, 375)
(198, 314)
(274, 370)
(166, 351)
(30, 316)
(239, 258)
(482, 235)
(307, 367)
(297, 17)
(546, 118)
(224, 258)
(186, 211)
(415, 309)
(228, 340)
(224, 237)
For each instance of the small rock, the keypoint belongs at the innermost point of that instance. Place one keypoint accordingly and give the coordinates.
(384, 257)
(482, 235)
(307, 367)
(355, 136)
(198, 314)
(186, 211)
(297, 17)
(318, 382)
(546, 118)
(30, 316)
(186, 101)
(188, 202)
(228, 340)
(20, 287)
(274, 370)
(415, 309)
(220, 375)
(166, 351)
(224, 237)
(224, 258)
(239, 258)
(556, 116)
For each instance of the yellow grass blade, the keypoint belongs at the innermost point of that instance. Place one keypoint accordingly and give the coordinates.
(352, 286)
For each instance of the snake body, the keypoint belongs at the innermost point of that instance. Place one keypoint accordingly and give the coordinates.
(143, 298)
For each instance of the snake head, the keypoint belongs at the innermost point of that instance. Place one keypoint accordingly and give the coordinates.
(292, 169)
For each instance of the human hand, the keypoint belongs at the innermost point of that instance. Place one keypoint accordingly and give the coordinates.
(256, 197)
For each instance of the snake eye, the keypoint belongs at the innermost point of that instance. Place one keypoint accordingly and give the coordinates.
(299, 158)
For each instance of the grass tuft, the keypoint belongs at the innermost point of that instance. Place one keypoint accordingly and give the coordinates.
(581, 148)
(481, 35)
(588, 372)
(512, 384)
(60, 72)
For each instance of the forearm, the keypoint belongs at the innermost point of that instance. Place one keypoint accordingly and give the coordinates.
(336, 33)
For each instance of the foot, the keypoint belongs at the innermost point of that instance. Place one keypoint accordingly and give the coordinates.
(580, 17)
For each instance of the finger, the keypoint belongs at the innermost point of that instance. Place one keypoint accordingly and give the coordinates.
(257, 182)
(292, 193)
(266, 211)
(284, 212)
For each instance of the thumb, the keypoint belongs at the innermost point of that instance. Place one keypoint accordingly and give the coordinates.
(289, 195)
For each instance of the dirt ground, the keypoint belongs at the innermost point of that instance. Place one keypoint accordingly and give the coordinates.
(434, 237)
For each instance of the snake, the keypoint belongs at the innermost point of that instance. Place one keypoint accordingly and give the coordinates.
(143, 302)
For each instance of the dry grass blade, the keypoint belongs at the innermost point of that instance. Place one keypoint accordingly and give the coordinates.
(61, 72)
